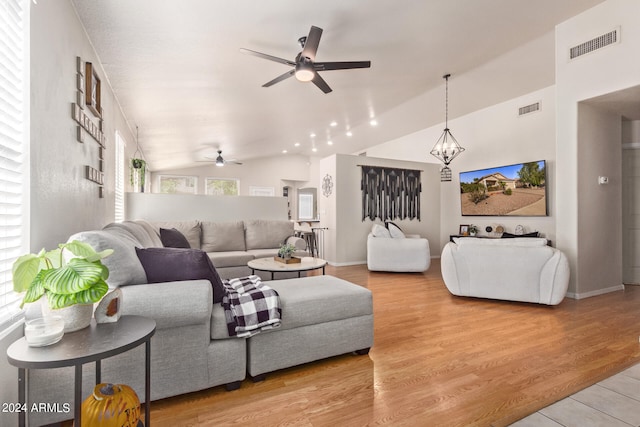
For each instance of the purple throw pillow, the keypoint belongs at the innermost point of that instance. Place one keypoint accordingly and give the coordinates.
(173, 264)
(172, 238)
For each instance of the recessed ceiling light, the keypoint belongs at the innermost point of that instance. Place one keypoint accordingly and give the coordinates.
(373, 122)
(314, 149)
(284, 151)
(297, 144)
(312, 135)
(333, 124)
(349, 133)
(330, 142)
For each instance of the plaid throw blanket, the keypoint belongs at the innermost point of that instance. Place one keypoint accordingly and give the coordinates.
(250, 306)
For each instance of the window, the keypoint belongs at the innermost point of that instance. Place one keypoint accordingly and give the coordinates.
(14, 148)
(222, 187)
(119, 208)
(173, 184)
(305, 206)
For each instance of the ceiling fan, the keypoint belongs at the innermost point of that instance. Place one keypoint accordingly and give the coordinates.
(305, 68)
(220, 161)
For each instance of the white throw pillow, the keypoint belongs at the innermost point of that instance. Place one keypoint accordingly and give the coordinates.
(379, 231)
(395, 231)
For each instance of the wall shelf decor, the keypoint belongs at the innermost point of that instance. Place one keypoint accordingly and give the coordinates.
(92, 90)
(390, 193)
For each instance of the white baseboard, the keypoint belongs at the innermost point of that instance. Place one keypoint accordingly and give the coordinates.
(584, 295)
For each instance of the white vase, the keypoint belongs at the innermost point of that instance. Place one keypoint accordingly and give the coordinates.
(75, 317)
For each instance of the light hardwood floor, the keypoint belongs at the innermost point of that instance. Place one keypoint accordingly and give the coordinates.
(437, 360)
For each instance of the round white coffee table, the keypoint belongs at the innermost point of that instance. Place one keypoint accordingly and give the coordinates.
(273, 266)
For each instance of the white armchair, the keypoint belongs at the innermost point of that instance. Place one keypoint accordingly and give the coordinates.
(409, 254)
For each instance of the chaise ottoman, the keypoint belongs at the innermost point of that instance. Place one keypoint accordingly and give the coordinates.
(322, 316)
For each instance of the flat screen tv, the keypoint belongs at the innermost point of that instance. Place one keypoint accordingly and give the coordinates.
(516, 190)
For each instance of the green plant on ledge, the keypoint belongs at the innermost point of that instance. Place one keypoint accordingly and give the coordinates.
(473, 229)
(80, 280)
(286, 250)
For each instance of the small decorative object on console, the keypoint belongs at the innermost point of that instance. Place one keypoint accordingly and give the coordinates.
(285, 254)
(108, 310)
(111, 405)
(44, 331)
(519, 230)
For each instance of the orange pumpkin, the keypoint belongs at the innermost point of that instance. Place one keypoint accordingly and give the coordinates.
(111, 405)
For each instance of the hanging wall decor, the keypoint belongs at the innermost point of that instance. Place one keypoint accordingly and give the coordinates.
(390, 193)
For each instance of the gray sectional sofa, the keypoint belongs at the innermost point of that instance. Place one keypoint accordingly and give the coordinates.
(322, 316)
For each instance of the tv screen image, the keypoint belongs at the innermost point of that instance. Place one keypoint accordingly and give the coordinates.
(517, 190)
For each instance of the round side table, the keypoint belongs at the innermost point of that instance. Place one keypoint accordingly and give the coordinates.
(91, 344)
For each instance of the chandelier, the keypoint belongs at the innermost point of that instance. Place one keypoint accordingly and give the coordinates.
(447, 148)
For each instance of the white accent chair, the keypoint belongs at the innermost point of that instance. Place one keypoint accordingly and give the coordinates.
(520, 269)
(397, 254)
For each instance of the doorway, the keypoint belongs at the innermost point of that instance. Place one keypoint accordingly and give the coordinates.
(631, 202)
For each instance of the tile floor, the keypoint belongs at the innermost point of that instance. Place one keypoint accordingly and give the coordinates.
(610, 403)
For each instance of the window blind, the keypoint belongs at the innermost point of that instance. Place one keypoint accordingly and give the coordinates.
(120, 145)
(14, 175)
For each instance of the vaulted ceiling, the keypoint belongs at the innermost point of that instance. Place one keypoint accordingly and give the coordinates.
(178, 73)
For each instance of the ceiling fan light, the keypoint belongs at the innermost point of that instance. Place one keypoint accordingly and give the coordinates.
(219, 161)
(304, 72)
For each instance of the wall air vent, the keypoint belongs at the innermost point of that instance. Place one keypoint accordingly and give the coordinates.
(604, 40)
(532, 108)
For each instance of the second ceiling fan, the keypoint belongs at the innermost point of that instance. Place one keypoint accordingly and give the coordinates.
(305, 68)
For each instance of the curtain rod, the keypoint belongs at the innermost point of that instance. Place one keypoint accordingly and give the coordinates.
(390, 167)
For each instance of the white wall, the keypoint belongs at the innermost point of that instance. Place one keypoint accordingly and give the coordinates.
(494, 136)
(607, 70)
(341, 213)
(182, 207)
(62, 200)
(599, 154)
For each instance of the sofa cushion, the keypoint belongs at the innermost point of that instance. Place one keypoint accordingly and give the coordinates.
(395, 231)
(172, 238)
(123, 264)
(190, 229)
(141, 234)
(268, 253)
(223, 236)
(309, 301)
(230, 258)
(176, 264)
(151, 231)
(267, 234)
(379, 231)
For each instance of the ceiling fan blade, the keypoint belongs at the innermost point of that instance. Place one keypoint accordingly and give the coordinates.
(280, 78)
(319, 81)
(269, 57)
(311, 45)
(346, 65)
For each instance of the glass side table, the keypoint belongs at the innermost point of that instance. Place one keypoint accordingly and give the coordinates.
(91, 344)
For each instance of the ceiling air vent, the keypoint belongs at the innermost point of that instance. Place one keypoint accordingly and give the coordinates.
(532, 108)
(604, 40)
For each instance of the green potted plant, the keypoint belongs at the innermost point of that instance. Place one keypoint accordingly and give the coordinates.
(286, 250)
(74, 282)
(473, 230)
(138, 169)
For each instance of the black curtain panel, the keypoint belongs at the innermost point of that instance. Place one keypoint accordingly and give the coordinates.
(390, 193)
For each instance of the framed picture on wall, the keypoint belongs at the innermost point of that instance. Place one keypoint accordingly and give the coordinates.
(92, 90)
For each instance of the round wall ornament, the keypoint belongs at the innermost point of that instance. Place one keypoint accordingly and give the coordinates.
(327, 185)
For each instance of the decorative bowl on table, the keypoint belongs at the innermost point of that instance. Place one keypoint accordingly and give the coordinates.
(44, 331)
